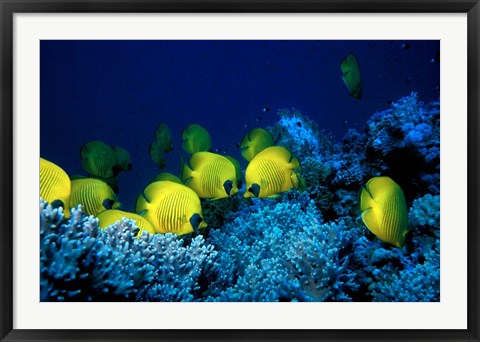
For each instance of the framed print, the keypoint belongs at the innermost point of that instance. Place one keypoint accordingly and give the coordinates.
(238, 170)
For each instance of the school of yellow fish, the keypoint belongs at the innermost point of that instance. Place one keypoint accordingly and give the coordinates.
(173, 204)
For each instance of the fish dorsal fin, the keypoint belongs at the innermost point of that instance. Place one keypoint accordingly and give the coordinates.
(200, 158)
(249, 136)
(348, 63)
(154, 189)
(344, 66)
(294, 162)
(276, 153)
(379, 185)
(185, 133)
(84, 151)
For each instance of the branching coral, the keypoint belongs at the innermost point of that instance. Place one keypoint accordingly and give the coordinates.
(419, 283)
(215, 212)
(179, 271)
(425, 212)
(349, 172)
(384, 273)
(346, 203)
(282, 252)
(73, 261)
(79, 262)
(409, 124)
(306, 245)
(296, 132)
(300, 135)
(411, 273)
(404, 142)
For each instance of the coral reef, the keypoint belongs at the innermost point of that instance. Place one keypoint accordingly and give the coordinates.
(79, 262)
(404, 142)
(73, 260)
(299, 134)
(418, 283)
(425, 212)
(409, 124)
(282, 252)
(306, 245)
(215, 212)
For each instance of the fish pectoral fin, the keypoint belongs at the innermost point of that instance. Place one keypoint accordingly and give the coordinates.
(187, 180)
(274, 196)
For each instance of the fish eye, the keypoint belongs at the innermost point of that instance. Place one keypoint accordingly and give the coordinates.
(108, 203)
(57, 203)
(195, 221)
(228, 186)
(254, 189)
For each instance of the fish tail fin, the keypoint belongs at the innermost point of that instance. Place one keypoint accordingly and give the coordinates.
(295, 163)
(187, 172)
(66, 212)
(298, 181)
(141, 205)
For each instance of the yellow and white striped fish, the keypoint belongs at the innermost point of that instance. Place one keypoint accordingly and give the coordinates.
(94, 195)
(109, 217)
(210, 176)
(55, 186)
(384, 210)
(272, 171)
(171, 208)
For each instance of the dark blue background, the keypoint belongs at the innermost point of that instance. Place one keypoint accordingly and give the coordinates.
(118, 91)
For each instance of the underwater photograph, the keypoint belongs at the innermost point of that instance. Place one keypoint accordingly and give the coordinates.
(239, 171)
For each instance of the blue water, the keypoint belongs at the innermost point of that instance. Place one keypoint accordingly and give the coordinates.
(118, 91)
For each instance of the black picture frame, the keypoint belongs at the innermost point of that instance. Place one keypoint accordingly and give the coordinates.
(7, 10)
